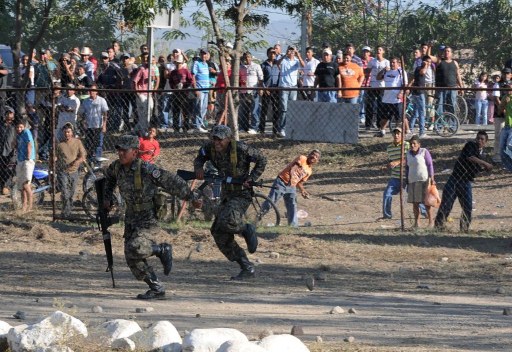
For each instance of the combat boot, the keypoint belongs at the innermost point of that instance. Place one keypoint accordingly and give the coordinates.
(247, 269)
(249, 233)
(164, 252)
(156, 289)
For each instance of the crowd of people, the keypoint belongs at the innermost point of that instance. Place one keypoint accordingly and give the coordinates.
(188, 90)
(181, 103)
(184, 93)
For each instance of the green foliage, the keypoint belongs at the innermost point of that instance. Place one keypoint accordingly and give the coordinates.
(482, 26)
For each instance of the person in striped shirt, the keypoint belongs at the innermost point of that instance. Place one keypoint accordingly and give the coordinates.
(394, 151)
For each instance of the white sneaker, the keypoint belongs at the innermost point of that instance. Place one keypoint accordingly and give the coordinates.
(162, 129)
(251, 131)
(282, 134)
(431, 127)
(201, 130)
(423, 135)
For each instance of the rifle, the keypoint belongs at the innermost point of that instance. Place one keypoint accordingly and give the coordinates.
(212, 178)
(104, 222)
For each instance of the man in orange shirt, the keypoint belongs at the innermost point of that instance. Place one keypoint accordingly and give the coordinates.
(351, 76)
(292, 177)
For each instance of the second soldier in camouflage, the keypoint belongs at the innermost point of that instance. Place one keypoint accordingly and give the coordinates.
(232, 159)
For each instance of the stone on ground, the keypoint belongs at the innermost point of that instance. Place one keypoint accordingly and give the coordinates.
(209, 340)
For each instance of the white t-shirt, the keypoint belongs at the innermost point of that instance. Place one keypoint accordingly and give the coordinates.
(480, 94)
(308, 79)
(496, 93)
(376, 66)
(73, 104)
(393, 78)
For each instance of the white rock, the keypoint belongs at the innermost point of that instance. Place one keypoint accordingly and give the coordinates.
(4, 329)
(114, 329)
(237, 346)
(55, 349)
(123, 344)
(160, 336)
(209, 340)
(337, 310)
(282, 343)
(55, 330)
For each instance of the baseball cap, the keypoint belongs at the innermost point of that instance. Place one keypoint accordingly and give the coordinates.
(70, 85)
(291, 47)
(104, 54)
(442, 47)
(126, 55)
(221, 131)
(399, 129)
(203, 51)
(366, 48)
(179, 59)
(507, 70)
(8, 109)
(327, 51)
(128, 141)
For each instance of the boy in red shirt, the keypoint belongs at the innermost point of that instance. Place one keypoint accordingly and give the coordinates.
(149, 147)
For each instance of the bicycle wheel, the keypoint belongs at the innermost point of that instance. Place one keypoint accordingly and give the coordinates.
(446, 125)
(461, 110)
(258, 217)
(38, 192)
(90, 177)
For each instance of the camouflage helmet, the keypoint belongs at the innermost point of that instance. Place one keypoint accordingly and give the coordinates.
(128, 141)
(221, 131)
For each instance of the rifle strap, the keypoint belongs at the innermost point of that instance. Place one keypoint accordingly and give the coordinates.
(137, 179)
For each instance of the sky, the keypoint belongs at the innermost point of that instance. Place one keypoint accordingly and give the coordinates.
(282, 29)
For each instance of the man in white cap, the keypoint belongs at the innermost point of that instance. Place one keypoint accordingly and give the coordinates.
(89, 66)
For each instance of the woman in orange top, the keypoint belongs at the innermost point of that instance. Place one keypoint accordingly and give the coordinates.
(351, 76)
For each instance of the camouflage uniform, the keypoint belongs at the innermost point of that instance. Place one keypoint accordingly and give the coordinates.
(140, 220)
(235, 199)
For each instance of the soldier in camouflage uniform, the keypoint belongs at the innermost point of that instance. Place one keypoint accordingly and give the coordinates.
(138, 183)
(232, 159)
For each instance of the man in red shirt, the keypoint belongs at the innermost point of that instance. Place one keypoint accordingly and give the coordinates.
(285, 185)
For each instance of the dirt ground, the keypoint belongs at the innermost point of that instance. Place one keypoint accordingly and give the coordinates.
(411, 290)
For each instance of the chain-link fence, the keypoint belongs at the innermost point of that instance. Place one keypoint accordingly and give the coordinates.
(357, 183)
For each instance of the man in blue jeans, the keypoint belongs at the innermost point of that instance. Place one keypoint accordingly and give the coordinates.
(285, 185)
(459, 184)
(289, 73)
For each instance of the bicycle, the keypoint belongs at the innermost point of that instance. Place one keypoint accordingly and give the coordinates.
(92, 173)
(445, 124)
(210, 191)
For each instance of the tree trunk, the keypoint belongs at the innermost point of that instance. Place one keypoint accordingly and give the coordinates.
(223, 51)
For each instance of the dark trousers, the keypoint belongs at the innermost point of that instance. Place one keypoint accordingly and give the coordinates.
(453, 189)
(373, 107)
(230, 221)
(269, 106)
(67, 184)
